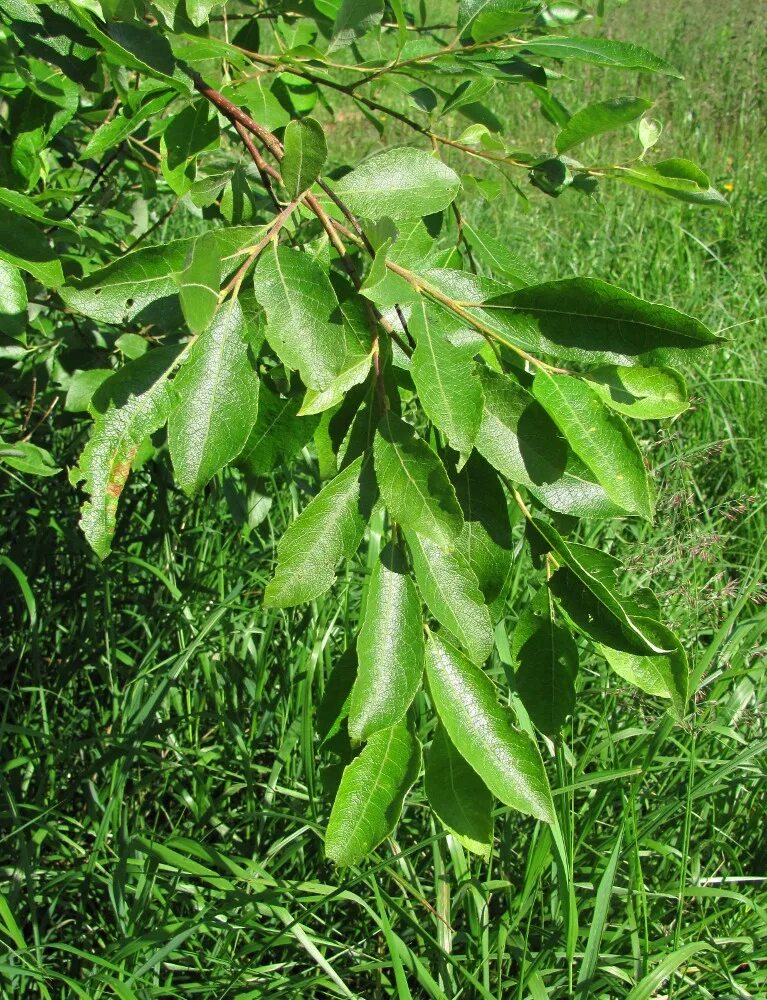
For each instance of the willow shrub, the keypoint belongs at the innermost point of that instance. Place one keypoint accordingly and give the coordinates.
(448, 390)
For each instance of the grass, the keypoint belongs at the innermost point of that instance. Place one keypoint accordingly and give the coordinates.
(162, 792)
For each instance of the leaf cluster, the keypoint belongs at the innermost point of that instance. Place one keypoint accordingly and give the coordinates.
(459, 404)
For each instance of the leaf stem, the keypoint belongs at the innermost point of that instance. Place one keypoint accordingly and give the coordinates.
(271, 234)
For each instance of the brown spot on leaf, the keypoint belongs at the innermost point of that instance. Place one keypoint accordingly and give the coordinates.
(120, 473)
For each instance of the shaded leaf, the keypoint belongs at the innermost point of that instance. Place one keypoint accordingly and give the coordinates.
(458, 796)
(598, 118)
(664, 676)
(592, 322)
(586, 586)
(143, 283)
(520, 440)
(644, 393)
(485, 541)
(23, 245)
(333, 710)
(546, 664)
(278, 435)
(199, 283)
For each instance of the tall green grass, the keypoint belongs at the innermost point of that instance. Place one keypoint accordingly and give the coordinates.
(163, 797)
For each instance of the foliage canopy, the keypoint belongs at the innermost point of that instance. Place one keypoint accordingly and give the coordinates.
(450, 394)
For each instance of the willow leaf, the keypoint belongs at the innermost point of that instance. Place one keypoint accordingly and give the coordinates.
(369, 800)
(482, 731)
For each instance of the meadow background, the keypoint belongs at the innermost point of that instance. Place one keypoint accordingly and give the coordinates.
(161, 789)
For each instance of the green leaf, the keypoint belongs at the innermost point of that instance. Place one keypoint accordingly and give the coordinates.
(206, 190)
(353, 367)
(306, 151)
(600, 52)
(589, 321)
(467, 93)
(389, 649)
(13, 300)
(111, 133)
(278, 435)
(586, 586)
(128, 406)
(82, 388)
(675, 178)
(649, 985)
(596, 119)
(451, 592)
(499, 258)
(198, 11)
(143, 284)
(26, 247)
(488, 17)
(132, 45)
(259, 100)
(402, 183)
(354, 19)
(306, 327)
(199, 283)
(414, 484)
(132, 345)
(448, 386)
(546, 663)
(329, 529)
(663, 676)
(217, 388)
(600, 438)
(190, 132)
(23, 456)
(481, 729)
(24, 206)
(485, 541)
(369, 800)
(458, 796)
(520, 440)
(644, 393)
